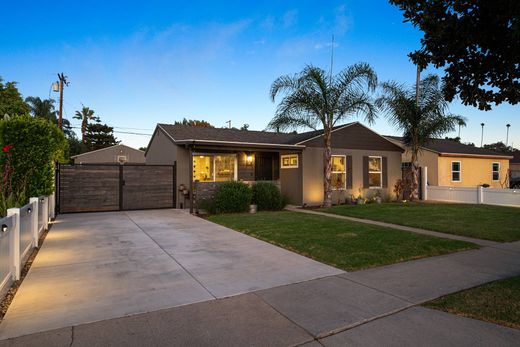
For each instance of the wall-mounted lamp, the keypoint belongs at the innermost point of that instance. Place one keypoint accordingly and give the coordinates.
(29, 210)
(249, 159)
(4, 228)
(42, 200)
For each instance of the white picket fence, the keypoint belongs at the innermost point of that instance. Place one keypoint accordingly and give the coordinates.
(470, 195)
(19, 235)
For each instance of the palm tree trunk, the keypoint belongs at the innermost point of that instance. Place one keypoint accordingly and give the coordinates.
(327, 168)
(414, 191)
(83, 129)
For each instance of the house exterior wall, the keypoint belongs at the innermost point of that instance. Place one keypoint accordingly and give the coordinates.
(291, 181)
(515, 169)
(313, 174)
(109, 156)
(427, 159)
(474, 171)
(161, 151)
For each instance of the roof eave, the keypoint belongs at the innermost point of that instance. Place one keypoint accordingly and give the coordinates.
(237, 143)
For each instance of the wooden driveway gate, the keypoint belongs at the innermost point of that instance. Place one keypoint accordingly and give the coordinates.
(113, 187)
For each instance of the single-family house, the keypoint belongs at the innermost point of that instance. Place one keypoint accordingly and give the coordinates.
(118, 154)
(363, 163)
(514, 168)
(451, 163)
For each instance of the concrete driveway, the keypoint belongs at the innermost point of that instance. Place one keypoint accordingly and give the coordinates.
(98, 266)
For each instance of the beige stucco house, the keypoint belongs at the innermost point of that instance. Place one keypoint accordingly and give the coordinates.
(118, 154)
(451, 163)
(364, 163)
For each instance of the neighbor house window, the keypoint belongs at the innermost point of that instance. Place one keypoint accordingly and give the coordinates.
(214, 168)
(289, 161)
(339, 172)
(496, 171)
(455, 171)
(375, 172)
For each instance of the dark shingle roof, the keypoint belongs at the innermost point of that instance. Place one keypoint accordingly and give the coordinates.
(454, 147)
(516, 157)
(186, 132)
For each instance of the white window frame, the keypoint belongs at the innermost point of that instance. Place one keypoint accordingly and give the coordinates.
(497, 171)
(341, 172)
(380, 173)
(213, 155)
(289, 156)
(460, 171)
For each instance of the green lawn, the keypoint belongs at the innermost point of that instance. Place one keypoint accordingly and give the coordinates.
(496, 223)
(343, 244)
(496, 302)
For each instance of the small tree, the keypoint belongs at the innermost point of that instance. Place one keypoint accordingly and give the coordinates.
(99, 136)
(11, 101)
(419, 120)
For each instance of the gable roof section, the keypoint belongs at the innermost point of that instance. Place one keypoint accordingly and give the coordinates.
(450, 147)
(106, 149)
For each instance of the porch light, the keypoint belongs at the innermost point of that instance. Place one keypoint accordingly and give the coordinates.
(4, 228)
(42, 200)
(249, 159)
(29, 210)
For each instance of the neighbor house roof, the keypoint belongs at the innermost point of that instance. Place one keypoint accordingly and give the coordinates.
(516, 157)
(451, 147)
(190, 134)
(104, 150)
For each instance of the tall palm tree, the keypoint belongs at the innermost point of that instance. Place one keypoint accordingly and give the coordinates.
(420, 120)
(41, 108)
(85, 115)
(313, 99)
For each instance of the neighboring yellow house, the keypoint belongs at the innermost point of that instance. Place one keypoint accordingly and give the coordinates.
(451, 163)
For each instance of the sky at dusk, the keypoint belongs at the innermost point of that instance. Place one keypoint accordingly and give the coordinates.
(138, 63)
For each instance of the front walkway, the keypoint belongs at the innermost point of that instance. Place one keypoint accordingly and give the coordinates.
(373, 307)
(97, 266)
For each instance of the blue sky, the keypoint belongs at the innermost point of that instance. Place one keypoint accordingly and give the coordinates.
(139, 63)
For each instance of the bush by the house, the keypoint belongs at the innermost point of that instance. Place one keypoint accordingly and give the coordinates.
(267, 197)
(30, 148)
(232, 197)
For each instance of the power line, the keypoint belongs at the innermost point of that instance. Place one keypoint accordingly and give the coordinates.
(119, 132)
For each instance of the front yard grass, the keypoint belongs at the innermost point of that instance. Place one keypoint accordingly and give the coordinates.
(496, 302)
(496, 223)
(343, 244)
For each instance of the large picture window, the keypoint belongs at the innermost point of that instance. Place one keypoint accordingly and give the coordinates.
(375, 172)
(496, 171)
(339, 172)
(455, 171)
(214, 168)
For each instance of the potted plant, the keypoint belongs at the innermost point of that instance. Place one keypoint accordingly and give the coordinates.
(360, 200)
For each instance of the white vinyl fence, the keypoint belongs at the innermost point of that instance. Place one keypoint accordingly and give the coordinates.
(19, 235)
(470, 195)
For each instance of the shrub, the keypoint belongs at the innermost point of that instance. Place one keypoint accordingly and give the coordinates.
(268, 197)
(232, 197)
(35, 144)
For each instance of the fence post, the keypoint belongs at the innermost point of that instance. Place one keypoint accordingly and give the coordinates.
(45, 213)
(480, 195)
(35, 232)
(424, 183)
(14, 243)
(52, 208)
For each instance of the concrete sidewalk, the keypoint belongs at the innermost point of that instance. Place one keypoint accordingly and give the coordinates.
(371, 307)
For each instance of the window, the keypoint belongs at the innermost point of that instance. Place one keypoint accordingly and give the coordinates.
(214, 168)
(375, 172)
(455, 171)
(496, 171)
(339, 172)
(289, 161)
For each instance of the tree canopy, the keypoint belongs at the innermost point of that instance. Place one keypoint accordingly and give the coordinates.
(476, 42)
(11, 101)
(194, 122)
(99, 136)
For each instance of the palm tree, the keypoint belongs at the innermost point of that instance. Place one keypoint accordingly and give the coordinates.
(420, 120)
(313, 99)
(41, 108)
(85, 115)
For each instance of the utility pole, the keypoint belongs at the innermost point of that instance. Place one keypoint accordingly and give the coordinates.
(482, 135)
(507, 134)
(63, 82)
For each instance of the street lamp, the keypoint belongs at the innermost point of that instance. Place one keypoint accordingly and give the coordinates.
(507, 134)
(482, 135)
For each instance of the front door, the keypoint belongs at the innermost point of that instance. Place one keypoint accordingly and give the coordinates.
(264, 167)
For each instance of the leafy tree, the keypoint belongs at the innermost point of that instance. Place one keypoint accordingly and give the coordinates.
(85, 115)
(245, 127)
(36, 145)
(99, 136)
(11, 101)
(476, 42)
(314, 99)
(45, 109)
(194, 123)
(420, 119)
(499, 147)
